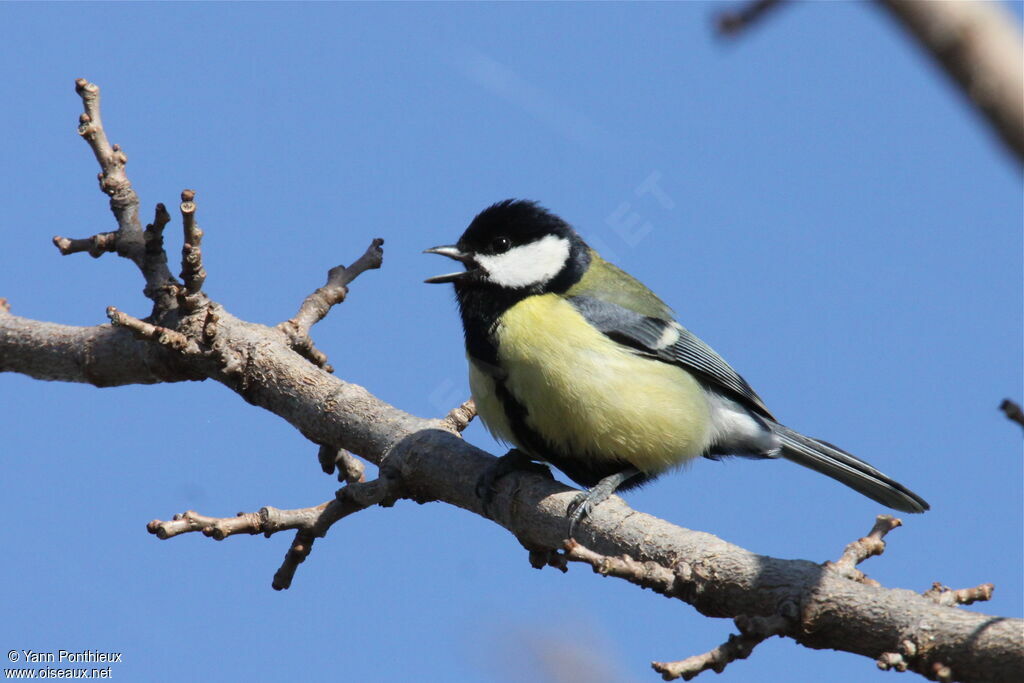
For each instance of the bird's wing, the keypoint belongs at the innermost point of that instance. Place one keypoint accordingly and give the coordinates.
(668, 341)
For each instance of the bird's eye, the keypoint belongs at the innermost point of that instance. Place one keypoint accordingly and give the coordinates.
(500, 245)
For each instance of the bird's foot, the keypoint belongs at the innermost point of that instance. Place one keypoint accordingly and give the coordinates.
(585, 501)
(513, 461)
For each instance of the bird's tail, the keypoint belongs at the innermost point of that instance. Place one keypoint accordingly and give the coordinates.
(823, 457)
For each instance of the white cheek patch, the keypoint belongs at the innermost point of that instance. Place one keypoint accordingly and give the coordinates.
(528, 265)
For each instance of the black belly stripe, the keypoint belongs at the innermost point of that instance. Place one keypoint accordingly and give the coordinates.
(584, 469)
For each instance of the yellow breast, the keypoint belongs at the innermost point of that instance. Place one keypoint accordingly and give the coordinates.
(589, 396)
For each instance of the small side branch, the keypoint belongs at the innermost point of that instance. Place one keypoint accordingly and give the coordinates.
(681, 583)
(863, 548)
(350, 468)
(309, 523)
(459, 418)
(192, 272)
(318, 304)
(154, 260)
(1012, 411)
(113, 178)
(651, 575)
(128, 240)
(753, 631)
(95, 246)
(267, 520)
(171, 339)
(944, 595)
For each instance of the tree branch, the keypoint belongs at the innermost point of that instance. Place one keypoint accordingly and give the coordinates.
(192, 272)
(104, 356)
(871, 545)
(128, 240)
(426, 460)
(350, 468)
(976, 42)
(317, 305)
(978, 45)
(310, 523)
(753, 631)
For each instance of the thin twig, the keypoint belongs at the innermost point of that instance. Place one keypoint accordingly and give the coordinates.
(192, 272)
(350, 468)
(735, 21)
(162, 294)
(944, 595)
(865, 547)
(318, 304)
(310, 523)
(459, 418)
(113, 178)
(651, 575)
(753, 631)
(1012, 411)
(171, 339)
(97, 245)
(128, 240)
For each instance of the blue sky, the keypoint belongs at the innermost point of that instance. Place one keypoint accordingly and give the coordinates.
(830, 217)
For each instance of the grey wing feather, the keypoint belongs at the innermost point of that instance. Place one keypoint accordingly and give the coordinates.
(669, 341)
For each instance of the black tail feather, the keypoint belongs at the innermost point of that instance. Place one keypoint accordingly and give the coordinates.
(836, 463)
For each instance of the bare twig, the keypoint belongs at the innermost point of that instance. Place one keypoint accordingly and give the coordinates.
(154, 260)
(350, 468)
(944, 595)
(459, 418)
(318, 304)
(865, 547)
(753, 631)
(171, 339)
(651, 575)
(96, 246)
(683, 583)
(128, 240)
(1012, 411)
(732, 22)
(113, 178)
(192, 272)
(310, 523)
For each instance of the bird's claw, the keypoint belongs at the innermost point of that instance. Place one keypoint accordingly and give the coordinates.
(579, 508)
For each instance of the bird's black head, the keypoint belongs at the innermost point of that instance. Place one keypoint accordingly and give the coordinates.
(517, 246)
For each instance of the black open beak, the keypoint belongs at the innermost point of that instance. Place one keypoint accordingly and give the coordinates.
(452, 252)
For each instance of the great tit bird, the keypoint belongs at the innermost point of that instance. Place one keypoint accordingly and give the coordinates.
(577, 364)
